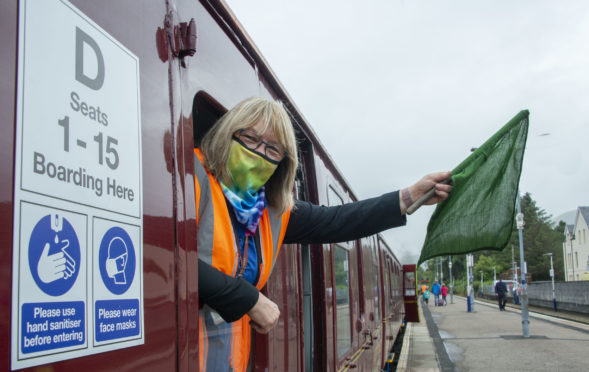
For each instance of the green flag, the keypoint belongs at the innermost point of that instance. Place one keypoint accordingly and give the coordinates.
(480, 210)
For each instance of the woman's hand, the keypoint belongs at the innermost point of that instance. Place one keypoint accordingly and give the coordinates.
(264, 315)
(410, 194)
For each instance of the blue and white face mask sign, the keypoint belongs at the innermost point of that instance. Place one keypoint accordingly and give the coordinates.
(117, 314)
(117, 260)
(77, 272)
(54, 255)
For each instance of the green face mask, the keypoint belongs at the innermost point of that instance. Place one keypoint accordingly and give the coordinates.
(249, 171)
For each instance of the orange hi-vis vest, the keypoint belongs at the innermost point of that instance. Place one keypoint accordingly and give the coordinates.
(227, 346)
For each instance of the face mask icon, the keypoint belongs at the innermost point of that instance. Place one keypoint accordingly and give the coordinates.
(117, 260)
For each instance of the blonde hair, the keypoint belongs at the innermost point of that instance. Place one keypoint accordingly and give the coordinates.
(216, 144)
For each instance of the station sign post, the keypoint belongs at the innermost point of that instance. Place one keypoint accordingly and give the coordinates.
(77, 283)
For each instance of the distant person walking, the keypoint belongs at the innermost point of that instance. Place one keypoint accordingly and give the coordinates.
(501, 290)
(516, 293)
(426, 296)
(436, 292)
(444, 291)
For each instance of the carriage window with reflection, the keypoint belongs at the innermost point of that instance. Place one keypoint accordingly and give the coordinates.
(410, 284)
(387, 288)
(342, 298)
(376, 271)
(333, 197)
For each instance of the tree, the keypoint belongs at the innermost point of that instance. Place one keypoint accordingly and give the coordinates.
(487, 263)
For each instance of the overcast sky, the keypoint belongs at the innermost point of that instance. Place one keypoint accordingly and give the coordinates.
(397, 89)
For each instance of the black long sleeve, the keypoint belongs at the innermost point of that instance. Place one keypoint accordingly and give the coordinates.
(311, 223)
(232, 298)
(308, 223)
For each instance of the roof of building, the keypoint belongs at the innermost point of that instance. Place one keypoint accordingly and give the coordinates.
(568, 217)
(585, 213)
(570, 229)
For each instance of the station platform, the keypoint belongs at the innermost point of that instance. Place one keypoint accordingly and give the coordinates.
(448, 338)
(418, 352)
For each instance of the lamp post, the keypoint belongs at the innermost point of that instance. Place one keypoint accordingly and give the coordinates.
(572, 235)
(469, 278)
(467, 289)
(481, 291)
(524, 294)
(514, 265)
(469, 274)
(451, 280)
(552, 276)
(494, 276)
(566, 269)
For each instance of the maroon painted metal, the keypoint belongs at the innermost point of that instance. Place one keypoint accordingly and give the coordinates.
(226, 68)
(410, 293)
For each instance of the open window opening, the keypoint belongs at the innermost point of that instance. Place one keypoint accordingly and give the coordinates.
(205, 112)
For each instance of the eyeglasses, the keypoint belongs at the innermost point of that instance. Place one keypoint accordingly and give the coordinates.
(253, 141)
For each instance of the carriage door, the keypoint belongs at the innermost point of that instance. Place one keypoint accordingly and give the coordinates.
(410, 293)
(306, 192)
(307, 306)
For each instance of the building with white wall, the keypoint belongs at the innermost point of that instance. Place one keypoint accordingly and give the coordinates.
(576, 247)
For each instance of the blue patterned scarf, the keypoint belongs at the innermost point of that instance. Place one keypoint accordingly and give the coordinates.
(248, 207)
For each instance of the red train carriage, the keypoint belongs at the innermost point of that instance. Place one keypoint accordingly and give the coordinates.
(341, 304)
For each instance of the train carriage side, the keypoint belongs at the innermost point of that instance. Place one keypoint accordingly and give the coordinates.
(340, 303)
(339, 287)
(360, 289)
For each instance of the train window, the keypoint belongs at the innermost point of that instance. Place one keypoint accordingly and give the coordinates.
(394, 285)
(305, 168)
(376, 272)
(333, 197)
(342, 297)
(396, 282)
(409, 284)
(399, 284)
(387, 288)
(205, 113)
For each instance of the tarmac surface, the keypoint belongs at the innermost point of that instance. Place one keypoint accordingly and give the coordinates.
(448, 338)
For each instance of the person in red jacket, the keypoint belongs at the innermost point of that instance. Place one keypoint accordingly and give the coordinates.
(444, 291)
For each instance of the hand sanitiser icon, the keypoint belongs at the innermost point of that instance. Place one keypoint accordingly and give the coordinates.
(59, 265)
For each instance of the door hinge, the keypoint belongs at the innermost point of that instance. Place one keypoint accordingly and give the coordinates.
(185, 39)
(181, 38)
